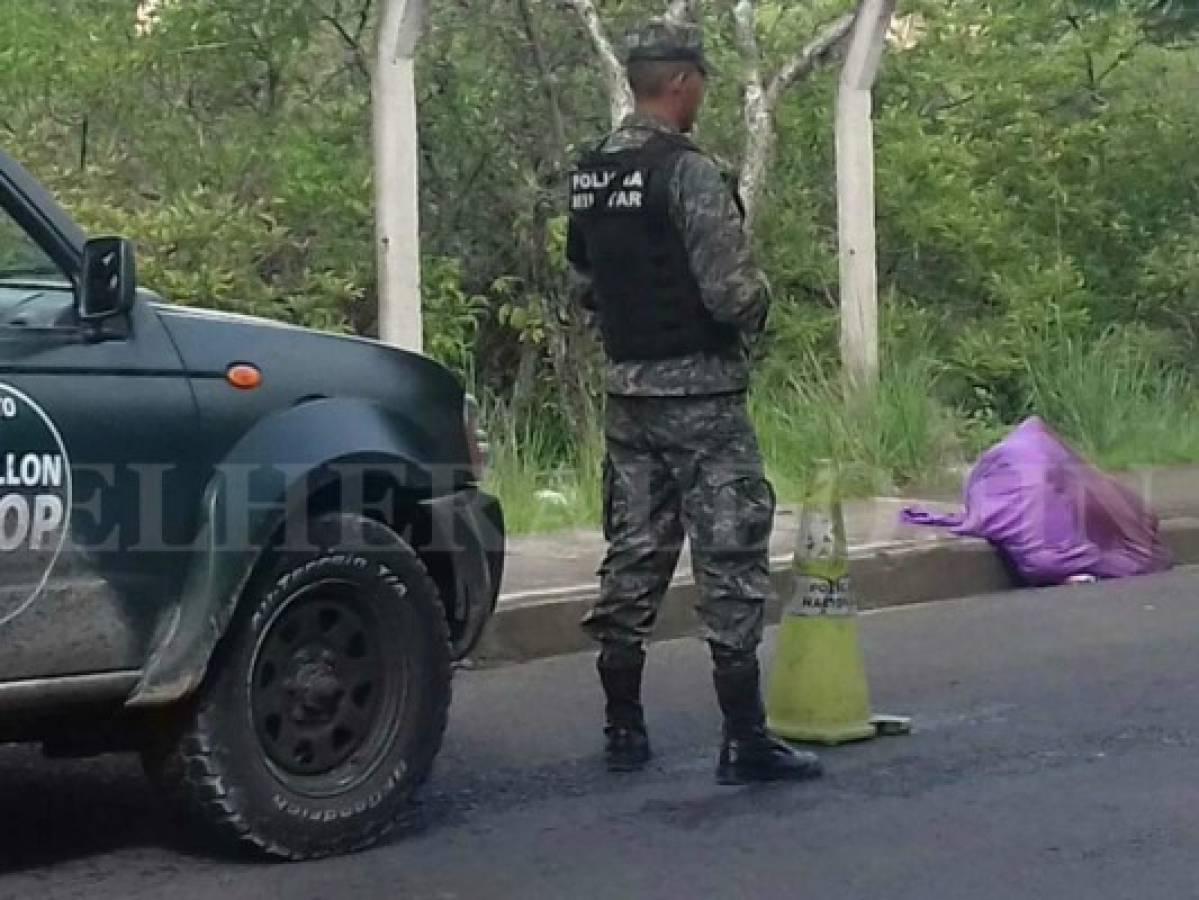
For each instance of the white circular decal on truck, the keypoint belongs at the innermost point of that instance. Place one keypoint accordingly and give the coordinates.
(35, 500)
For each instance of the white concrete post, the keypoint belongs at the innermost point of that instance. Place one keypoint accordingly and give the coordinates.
(855, 193)
(397, 173)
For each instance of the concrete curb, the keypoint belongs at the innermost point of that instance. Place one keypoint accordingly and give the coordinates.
(548, 625)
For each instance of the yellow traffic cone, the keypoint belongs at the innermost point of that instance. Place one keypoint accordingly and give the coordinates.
(817, 691)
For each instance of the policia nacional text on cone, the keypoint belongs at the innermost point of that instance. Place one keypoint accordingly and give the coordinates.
(818, 691)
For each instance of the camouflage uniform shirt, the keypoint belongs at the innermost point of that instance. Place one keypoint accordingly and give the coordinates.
(732, 287)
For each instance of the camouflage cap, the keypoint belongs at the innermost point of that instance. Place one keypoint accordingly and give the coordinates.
(665, 40)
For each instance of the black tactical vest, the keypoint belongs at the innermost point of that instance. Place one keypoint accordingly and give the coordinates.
(648, 302)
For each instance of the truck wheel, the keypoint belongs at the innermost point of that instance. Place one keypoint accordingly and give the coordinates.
(326, 703)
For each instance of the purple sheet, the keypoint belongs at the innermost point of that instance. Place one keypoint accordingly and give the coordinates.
(1052, 514)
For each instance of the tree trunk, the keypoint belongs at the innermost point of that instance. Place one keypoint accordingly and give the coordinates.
(524, 385)
(762, 100)
(857, 239)
(548, 83)
(855, 194)
(397, 174)
(759, 117)
(620, 95)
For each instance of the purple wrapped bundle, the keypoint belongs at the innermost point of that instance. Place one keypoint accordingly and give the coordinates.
(1052, 514)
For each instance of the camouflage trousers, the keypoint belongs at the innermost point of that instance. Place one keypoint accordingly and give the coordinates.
(675, 467)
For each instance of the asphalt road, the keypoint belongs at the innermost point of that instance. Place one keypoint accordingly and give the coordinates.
(1055, 757)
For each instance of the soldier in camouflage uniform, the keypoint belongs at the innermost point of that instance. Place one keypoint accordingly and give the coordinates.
(657, 244)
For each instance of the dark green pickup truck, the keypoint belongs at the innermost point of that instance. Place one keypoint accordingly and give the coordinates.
(248, 551)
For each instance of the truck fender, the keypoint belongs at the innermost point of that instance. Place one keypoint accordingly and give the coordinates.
(263, 479)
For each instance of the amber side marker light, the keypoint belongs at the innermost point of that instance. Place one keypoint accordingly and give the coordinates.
(244, 377)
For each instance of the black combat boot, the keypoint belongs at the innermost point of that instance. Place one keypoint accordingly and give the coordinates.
(627, 743)
(749, 754)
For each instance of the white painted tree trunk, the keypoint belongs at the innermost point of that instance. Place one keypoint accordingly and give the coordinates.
(855, 194)
(397, 174)
(620, 95)
(762, 99)
(757, 112)
(856, 232)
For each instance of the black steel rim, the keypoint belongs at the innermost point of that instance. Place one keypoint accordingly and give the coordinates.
(324, 696)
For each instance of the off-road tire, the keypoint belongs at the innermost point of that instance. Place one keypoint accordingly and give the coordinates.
(214, 757)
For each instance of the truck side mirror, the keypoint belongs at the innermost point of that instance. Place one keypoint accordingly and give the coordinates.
(108, 280)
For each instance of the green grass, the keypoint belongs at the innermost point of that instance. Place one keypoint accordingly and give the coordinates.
(1116, 401)
(530, 460)
(882, 440)
(1113, 399)
(892, 438)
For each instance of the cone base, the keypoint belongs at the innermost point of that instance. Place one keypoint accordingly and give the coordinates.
(829, 735)
(817, 692)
